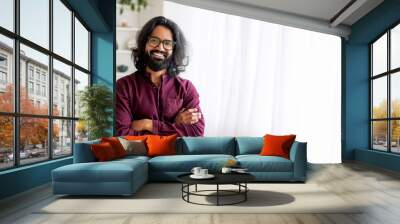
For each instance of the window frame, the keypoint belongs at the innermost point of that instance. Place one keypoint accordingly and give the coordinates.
(16, 114)
(388, 74)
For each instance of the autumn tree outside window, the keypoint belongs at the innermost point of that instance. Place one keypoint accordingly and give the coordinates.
(44, 64)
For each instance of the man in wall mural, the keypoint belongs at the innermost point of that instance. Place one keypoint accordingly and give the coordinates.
(154, 99)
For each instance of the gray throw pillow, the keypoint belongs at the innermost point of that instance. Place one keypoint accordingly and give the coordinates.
(133, 147)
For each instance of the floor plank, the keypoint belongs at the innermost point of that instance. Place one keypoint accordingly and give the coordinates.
(376, 189)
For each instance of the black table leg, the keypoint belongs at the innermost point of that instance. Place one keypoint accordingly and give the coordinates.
(217, 194)
(245, 193)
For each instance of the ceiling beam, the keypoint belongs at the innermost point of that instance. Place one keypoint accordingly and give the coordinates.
(268, 15)
(346, 12)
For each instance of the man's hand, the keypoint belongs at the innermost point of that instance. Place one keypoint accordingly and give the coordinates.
(143, 125)
(190, 116)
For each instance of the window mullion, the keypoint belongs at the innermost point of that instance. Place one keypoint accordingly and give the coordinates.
(50, 81)
(389, 105)
(16, 84)
(73, 83)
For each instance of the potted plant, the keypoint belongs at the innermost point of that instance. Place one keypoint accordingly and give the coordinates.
(96, 103)
(133, 5)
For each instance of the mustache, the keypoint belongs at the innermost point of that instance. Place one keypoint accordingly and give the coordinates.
(160, 52)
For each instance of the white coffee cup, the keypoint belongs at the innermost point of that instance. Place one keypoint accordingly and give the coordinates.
(203, 172)
(226, 170)
(196, 171)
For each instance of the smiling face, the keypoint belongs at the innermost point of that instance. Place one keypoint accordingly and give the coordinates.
(159, 48)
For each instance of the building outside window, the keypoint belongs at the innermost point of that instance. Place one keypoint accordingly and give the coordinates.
(57, 135)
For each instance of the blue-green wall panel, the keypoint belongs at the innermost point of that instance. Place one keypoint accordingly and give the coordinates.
(376, 158)
(24, 178)
(357, 99)
(357, 102)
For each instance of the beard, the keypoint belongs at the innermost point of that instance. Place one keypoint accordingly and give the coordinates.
(156, 64)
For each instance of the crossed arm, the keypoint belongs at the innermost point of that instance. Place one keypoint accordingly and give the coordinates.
(188, 122)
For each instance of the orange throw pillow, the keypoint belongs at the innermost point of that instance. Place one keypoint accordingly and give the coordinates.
(116, 145)
(277, 145)
(103, 151)
(133, 137)
(161, 145)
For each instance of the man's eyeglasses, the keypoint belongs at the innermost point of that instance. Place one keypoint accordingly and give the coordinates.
(155, 41)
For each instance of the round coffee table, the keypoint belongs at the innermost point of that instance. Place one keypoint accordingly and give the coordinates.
(238, 179)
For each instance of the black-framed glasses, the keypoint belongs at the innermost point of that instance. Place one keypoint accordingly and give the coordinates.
(155, 41)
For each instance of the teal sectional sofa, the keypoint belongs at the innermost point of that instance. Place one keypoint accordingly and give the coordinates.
(125, 176)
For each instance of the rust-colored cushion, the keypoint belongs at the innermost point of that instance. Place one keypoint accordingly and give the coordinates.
(103, 151)
(161, 145)
(116, 145)
(277, 145)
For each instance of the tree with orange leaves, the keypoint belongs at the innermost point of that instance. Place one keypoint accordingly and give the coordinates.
(33, 131)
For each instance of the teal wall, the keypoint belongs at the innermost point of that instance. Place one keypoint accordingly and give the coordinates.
(355, 59)
(99, 16)
(24, 178)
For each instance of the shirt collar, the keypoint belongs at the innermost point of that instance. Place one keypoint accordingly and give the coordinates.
(147, 75)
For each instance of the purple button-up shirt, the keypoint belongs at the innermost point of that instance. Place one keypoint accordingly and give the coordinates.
(138, 98)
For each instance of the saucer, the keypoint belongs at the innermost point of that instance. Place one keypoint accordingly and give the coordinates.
(208, 176)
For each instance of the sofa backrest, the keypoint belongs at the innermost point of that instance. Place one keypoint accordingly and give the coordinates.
(206, 145)
(249, 145)
(83, 152)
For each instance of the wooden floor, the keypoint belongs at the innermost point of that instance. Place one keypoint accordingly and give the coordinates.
(378, 188)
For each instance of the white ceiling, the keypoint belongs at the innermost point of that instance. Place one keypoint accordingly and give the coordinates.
(315, 15)
(320, 9)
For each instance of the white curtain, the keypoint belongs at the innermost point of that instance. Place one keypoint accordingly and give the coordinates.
(256, 78)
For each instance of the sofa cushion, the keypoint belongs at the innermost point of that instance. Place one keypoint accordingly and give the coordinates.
(257, 163)
(185, 163)
(207, 145)
(134, 147)
(119, 170)
(249, 145)
(103, 152)
(275, 145)
(161, 145)
(116, 144)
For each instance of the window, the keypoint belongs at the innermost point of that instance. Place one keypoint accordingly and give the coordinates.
(7, 14)
(385, 92)
(3, 78)
(30, 87)
(38, 89)
(81, 45)
(3, 71)
(62, 76)
(62, 29)
(43, 90)
(6, 89)
(30, 72)
(54, 125)
(3, 61)
(34, 25)
(37, 74)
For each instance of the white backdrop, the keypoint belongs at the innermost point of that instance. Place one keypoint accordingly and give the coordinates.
(256, 78)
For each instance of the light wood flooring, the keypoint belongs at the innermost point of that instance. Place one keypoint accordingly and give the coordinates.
(378, 188)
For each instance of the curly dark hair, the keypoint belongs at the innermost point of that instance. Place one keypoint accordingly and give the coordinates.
(179, 58)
